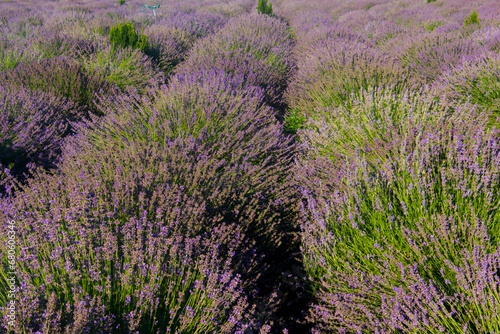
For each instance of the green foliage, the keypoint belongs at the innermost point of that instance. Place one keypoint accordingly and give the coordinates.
(124, 67)
(431, 26)
(294, 121)
(9, 59)
(431, 1)
(124, 35)
(264, 8)
(121, 2)
(472, 19)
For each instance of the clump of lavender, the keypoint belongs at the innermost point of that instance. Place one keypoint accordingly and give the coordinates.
(169, 46)
(125, 252)
(172, 37)
(231, 171)
(375, 123)
(256, 48)
(384, 31)
(336, 71)
(12, 54)
(430, 54)
(48, 44)
(62, 77)
(33, 126)
(124, 67)
(488, 37)
(474, 81)
(203, 104)
(236, 129)
(409, 244)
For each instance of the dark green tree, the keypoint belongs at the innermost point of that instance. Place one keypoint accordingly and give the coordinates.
(264, 8)
(472, 19)
(124, 35)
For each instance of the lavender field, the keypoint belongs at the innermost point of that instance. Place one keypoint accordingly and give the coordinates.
(237, 166)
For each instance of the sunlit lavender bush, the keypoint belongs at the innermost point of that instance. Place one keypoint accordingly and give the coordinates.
(409, 245)
(204, 104)
(232, 123)
(373, 125)
(338, 70)
(124, 67)
(119, 246)
(236, 179)
(474, 81)
(62, 77)
(254, 47)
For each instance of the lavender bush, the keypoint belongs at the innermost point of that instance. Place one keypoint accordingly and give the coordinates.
(62, 77)
(143, 180)
(488, 37)
(204, 105)
(392, 245)
(337, 71)
(125, 252)
(33, 127)
(374, 125)
(172, 37)
(49, 44)
(124, 67)
(254, 47)
(436, 52)
(11, 54)
(233, 124)
(235, 170)
(474, 81)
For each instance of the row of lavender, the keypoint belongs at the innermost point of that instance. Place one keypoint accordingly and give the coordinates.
(175, 208)
(396, 104)
(148, 207)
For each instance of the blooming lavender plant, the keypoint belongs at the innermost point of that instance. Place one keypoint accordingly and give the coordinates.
(172, 37)
(130, 255)
(48, 44)
(436, 52)
(255, 47)
(236, 178)
(124, 67)
(33, 126)
(62, 77)
(11, 54)
(373, 126)
(392, 245)
(337, 71)
(474, 81)
(204, 104)
(488, 37)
